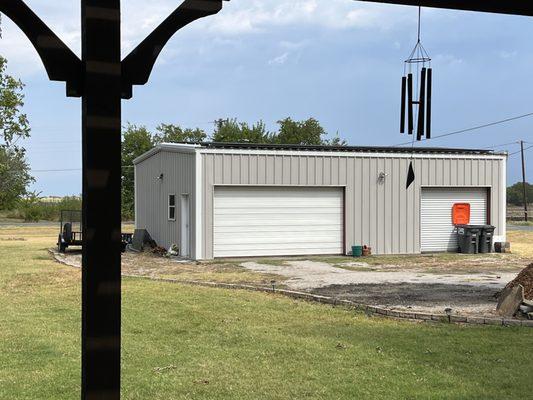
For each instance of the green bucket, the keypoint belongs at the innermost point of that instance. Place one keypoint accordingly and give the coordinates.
(357, 251)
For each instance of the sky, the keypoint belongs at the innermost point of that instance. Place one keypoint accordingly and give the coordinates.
(339, 61)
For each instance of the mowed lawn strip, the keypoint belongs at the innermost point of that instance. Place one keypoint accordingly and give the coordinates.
(183, 342)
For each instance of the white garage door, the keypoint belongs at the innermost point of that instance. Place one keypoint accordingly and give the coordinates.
(277, 221)
(437, 231)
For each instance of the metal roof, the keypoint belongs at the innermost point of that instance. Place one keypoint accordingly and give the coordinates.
(365, 149)
(191, 147)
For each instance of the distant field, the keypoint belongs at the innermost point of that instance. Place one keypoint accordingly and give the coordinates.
(516, 213)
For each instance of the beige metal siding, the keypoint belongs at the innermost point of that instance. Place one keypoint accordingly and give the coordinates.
(148, 195)
(178, 171)
(384, 215)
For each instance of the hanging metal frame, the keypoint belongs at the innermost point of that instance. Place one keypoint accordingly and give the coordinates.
(419, 60)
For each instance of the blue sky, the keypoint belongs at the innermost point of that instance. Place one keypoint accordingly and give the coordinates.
(339, 61)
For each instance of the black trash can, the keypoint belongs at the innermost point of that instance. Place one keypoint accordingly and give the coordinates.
(485, 239)
(468, 238)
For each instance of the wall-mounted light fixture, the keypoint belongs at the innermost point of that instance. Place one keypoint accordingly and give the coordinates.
(381, 177)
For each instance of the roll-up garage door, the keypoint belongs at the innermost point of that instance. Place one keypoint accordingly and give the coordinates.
(271, 221)
(437, 231)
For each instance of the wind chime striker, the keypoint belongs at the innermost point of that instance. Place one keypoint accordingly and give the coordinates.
(418, 63)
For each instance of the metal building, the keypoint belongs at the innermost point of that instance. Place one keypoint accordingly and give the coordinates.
(233, 200)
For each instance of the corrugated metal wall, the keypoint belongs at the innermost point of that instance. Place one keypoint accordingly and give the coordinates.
(178, 171)
(382, 215)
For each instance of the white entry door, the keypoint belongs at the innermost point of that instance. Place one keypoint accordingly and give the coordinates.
(185, 224)
(437, 232)
(271, 221)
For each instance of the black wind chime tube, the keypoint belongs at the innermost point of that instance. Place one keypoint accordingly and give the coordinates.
(410, 117)
(421, 105)
(403, 105)
(428, 102)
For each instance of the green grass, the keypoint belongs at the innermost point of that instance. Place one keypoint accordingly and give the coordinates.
(520, 223)
(182, 342)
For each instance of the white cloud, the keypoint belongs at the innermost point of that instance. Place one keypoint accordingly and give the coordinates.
(447, 59)
(286, 44)
(507, 54)
(279, 60)
(260, 15)
(236, 18)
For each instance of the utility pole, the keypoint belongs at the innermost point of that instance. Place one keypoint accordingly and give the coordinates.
(524, 185)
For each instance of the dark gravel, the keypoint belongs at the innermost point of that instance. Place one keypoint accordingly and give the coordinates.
(413, 295)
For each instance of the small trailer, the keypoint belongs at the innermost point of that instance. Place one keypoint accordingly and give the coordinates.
(70, 231)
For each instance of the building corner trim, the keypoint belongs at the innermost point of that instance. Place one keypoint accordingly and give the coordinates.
(198, 193)
(503, 200)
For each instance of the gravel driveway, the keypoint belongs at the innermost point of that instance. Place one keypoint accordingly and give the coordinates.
(471, 293)
(305, 275)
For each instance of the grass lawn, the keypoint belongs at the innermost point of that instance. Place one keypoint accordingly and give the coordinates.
(182, 342)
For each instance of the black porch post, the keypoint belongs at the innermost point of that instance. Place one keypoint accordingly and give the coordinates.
(101, 134)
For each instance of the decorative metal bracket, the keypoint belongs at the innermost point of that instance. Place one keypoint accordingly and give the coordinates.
(60, 62)
(138, 65)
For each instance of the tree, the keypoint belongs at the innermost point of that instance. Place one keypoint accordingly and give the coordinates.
(232, 131)
(14, 176)
(308, 132)
(515, 194)
(14, 125)
(136, 140)
(169, 133)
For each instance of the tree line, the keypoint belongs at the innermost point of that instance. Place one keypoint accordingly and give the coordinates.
(137, 139)
(515, 194)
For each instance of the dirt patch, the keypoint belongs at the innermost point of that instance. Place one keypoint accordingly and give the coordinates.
(154, 266)
(418, 297)
(524, 278)
(413, 288)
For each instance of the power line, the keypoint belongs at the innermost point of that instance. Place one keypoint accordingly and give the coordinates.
(473, 128)
(501, 145)
(517, 152)
(69, 169)
(56, 170)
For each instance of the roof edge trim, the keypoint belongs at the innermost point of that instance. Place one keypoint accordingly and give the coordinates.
(170, 147)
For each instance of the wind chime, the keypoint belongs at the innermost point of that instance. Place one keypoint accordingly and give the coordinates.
(418, 63)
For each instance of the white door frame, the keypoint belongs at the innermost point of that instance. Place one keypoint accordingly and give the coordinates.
(185, 224)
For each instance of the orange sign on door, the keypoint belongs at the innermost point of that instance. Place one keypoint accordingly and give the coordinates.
(461, 214)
